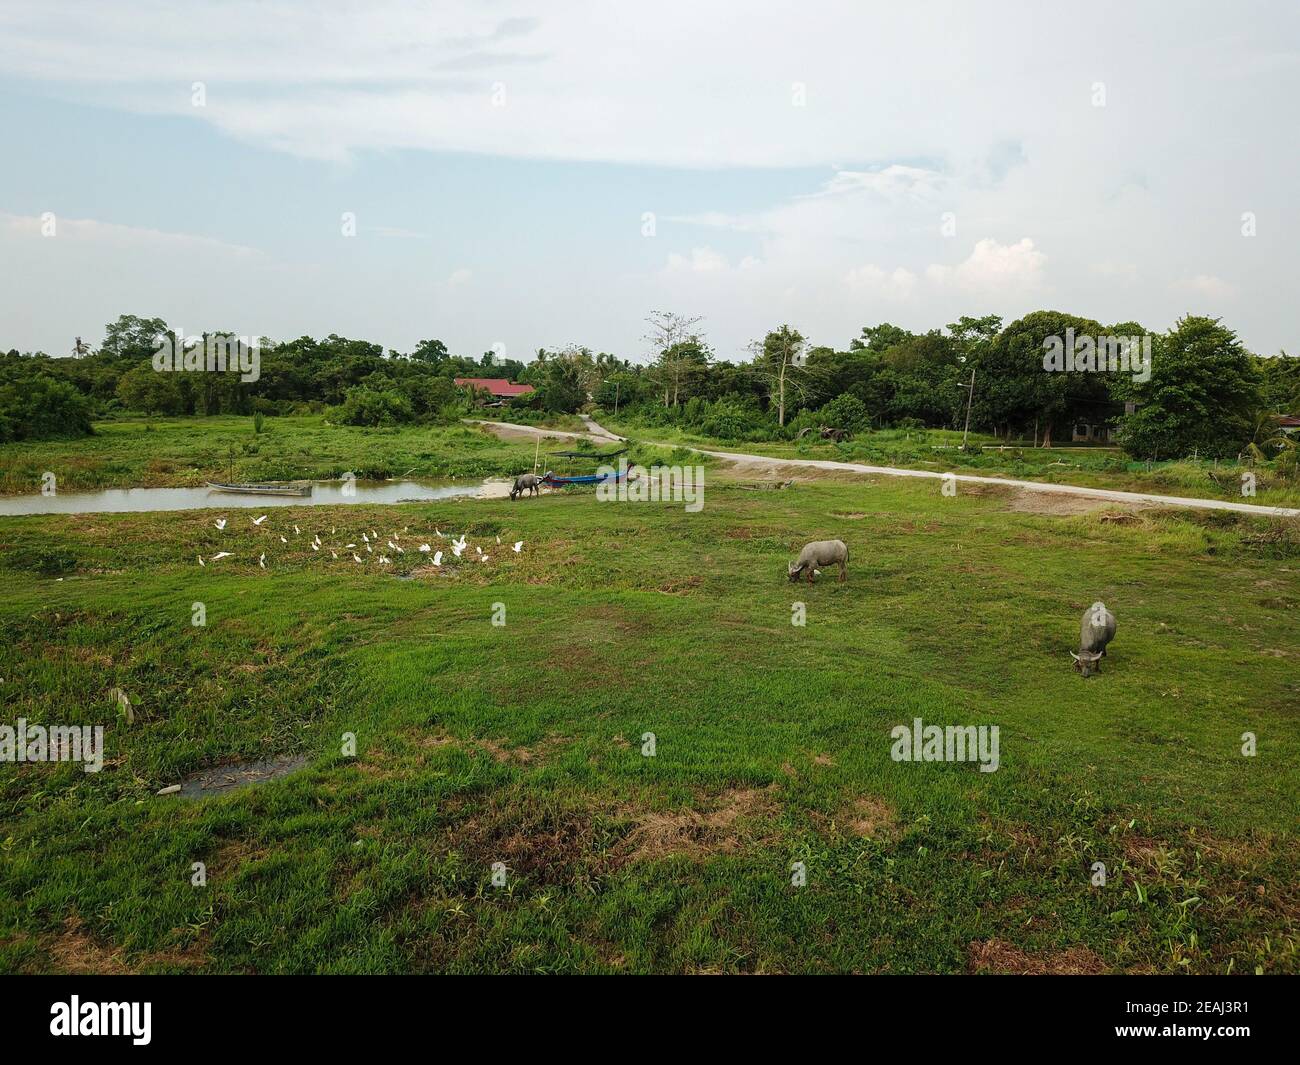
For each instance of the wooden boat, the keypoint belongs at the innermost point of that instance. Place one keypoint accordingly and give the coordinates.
(262, 489)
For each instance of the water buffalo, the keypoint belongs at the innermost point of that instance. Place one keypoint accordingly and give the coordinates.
(1095, 632)
(528, 482)
(820, 553)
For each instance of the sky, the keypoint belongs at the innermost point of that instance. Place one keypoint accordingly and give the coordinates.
(522, 175)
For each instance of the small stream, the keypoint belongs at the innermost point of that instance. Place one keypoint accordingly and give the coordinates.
(124, 500)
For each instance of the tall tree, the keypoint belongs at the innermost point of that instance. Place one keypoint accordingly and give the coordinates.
(1203, 396)
(679, 349)
(780, 358)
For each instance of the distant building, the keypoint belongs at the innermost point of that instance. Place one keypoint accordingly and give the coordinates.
(1085, 432)
(497, 387)
(1289, 423)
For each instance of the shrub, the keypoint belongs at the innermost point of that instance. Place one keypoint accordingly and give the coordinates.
(845, 412)
(369, 406)
(37, 406)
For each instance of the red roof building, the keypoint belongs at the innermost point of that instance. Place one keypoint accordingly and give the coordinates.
(498, 387)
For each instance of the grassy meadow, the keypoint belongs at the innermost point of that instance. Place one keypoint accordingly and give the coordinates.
(523, 743)
(186, 451)
(1091, 466)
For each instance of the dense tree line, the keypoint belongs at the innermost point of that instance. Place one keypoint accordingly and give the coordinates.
(1205, 394)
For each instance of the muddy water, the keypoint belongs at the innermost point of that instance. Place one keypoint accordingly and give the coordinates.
(122, 500)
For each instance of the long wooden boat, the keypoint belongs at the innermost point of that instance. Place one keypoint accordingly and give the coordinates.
(262, 489)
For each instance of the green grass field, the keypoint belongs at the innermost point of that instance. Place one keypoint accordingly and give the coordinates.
(939, 450)
(185, 452)
(522, 744)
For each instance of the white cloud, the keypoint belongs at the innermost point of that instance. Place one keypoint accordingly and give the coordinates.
(893, 182)
(1207, 286)
(88, 232)
(582, 83)
(994, 267)
(893, 285)
(910, 114)
(460, 276)
(700, 261)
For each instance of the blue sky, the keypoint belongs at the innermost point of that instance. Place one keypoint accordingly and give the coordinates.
(830, 165)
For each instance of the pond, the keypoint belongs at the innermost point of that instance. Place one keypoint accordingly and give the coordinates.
(121, 500)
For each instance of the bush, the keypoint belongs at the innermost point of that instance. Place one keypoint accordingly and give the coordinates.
(726, 421)
(37, 406)
(845, 412)
(370, 406)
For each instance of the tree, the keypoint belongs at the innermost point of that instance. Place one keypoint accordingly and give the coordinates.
(1203, 395)
(433, 352)
(131, 337)
(1281, 378)
(679, 349)
(920, 379)
(780, 359)
(878, 338)
(1014, 391)
(145, 389)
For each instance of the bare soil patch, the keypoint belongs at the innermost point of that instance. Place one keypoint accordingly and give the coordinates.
(998, 956)
(74, 951)
(729, 822)
(869, 817)
(680, 585)
(1062, 504)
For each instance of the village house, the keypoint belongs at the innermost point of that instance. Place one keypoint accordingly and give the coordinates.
(498, 389)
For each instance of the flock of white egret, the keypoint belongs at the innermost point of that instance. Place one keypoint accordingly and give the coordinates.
(369, 541)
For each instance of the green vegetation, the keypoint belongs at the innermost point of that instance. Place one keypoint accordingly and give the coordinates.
(37, 405)
(178, 452)
(940, 450)
(1206, 397)
(522, 744)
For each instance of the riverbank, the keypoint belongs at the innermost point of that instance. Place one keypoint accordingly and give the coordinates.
(187, 452)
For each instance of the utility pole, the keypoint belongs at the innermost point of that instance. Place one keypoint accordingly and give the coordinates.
(969, 398)
(616, 388)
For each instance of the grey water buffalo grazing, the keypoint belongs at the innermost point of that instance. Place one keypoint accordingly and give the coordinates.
(1095, 632)
(528, 482)
(818, 555)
